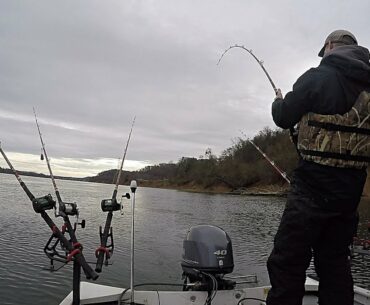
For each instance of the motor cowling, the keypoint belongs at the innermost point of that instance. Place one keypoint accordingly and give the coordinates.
(207, 248)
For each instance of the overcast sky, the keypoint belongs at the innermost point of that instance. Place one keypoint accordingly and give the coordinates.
(88, 67)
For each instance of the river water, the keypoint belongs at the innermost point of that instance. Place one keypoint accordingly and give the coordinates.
(162, 218)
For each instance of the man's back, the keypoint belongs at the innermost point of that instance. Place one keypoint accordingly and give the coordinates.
(320, 216)
(331, 88)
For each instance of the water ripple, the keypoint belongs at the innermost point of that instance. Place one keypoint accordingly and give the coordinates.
(162, 220)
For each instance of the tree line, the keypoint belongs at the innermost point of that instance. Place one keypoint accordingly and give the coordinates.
(239, 166)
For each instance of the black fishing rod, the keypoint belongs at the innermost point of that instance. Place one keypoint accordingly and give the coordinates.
(66, 210)
(110, 205)
(40, 206)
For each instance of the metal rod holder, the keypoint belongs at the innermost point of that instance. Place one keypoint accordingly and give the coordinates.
(133, 187)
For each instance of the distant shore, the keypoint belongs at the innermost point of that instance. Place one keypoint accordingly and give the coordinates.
(256, 190)
(262, 190)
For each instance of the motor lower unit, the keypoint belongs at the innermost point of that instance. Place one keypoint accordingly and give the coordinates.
(207, 257)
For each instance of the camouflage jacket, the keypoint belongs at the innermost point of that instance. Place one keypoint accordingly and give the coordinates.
(327, 95)
(337, 140)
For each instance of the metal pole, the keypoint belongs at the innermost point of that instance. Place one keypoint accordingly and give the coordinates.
(133, 187)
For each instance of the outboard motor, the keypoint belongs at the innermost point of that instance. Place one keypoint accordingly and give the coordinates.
(207, 257)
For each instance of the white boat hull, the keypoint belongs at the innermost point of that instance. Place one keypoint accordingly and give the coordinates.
(97, 294)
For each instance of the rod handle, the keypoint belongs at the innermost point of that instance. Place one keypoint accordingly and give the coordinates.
(101, 252)
(89, 272)
(99, 263)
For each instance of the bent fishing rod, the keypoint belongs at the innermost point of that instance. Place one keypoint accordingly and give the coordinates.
(260, 62)
(110, 205)
(292, 131)
(40, 206)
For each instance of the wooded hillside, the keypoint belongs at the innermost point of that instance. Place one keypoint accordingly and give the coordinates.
(240, 166)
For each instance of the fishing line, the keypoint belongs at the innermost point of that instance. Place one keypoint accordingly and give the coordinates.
(272, 163)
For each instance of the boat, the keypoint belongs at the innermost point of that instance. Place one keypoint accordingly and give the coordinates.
(95, 294)
(207, 263)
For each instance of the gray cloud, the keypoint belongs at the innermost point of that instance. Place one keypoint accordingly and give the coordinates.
(89, 66)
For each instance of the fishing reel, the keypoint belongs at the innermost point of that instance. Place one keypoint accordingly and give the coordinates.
(105, 250)
(69, 208)
(43, 204)
(111, 205)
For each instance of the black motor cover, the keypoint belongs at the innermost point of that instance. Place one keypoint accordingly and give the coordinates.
(207, 248)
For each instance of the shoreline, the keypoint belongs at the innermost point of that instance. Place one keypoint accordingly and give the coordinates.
(262, 190)
(274, 190)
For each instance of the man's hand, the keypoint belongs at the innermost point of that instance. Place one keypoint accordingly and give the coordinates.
(278, 94)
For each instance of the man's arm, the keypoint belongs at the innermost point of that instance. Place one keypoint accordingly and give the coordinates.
(286, 112)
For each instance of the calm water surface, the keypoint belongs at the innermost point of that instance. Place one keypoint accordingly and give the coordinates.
(162, 220)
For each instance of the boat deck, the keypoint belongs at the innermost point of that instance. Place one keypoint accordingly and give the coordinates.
(94, 294)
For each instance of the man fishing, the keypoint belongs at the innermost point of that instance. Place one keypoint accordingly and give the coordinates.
(331, 105)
